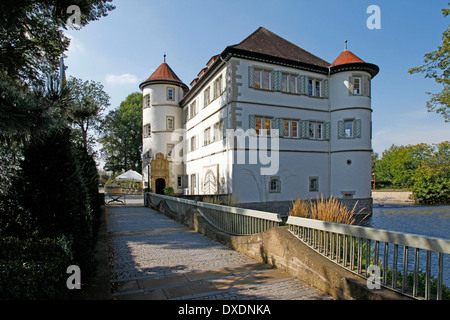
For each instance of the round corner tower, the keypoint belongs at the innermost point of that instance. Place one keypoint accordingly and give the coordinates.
(351, 138)
(161, 117)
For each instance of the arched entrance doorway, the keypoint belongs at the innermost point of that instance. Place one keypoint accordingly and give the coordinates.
(160, 184)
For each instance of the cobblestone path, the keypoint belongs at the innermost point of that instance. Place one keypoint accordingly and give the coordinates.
(154, 257)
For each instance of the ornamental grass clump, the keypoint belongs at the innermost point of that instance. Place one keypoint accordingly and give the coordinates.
(324, 209)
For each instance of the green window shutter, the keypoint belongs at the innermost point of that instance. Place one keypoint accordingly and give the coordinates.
(341, 129)
(327, 130)
(303, 85)
(278, 124)
(325, 89)
(251, 79)
(358, 128)
(304, 129)
(251, 121)
(366, 86)
(276, 80)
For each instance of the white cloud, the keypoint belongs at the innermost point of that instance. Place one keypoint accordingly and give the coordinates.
(125, 78)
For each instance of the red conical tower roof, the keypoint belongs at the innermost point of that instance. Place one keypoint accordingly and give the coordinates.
(163, 74)
(346, 56)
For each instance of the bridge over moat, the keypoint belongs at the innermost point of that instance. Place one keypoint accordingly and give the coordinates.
(162, 253)
(154, 257)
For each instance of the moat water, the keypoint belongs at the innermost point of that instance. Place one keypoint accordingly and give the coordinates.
(432, 221)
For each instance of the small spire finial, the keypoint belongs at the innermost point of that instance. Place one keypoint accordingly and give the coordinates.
(164, 58)
(345, 44)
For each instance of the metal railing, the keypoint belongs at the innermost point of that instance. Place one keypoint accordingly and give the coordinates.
(232, 220)
(398, 257)
(238, 221)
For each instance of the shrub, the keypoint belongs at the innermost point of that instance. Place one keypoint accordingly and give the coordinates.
(168, 191)
(54, 197)
(432, 183)
(34, 268)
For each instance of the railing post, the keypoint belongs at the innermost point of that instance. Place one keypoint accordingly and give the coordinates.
(394, 267)
(416, 273)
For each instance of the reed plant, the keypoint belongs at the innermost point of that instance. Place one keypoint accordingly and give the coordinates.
(325, 209)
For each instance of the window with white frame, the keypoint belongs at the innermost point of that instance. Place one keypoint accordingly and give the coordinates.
(170, 94)
(349, 127)
(207, 136)
(356, 85)
(263, 79)
(314, 87)
(206, 97)
(193, 109)
(263, 126)
(147, 101)
(147, 131)
(218, 131)
(290, 128)
(315, 130)
(170, 123)
(218, 87)
(289, 83)
(193, 143)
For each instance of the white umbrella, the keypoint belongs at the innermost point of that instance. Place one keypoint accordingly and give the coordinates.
(130, 175)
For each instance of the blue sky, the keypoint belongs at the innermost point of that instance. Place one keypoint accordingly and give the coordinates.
(124, 49)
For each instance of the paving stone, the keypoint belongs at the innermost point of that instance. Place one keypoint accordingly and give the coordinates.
(153, 257)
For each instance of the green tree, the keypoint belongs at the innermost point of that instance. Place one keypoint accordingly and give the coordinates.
(121, 136)
(84, 113)
(398, 163)
(31, 34)
(29, 113)
(437, 67)
(432, 177)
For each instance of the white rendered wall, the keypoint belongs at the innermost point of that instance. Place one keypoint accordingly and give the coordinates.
(156, 115)
(350, 158)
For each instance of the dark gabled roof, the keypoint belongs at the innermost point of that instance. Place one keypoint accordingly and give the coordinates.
(264, 45)
(268, 43)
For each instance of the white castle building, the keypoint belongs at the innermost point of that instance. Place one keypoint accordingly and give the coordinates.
(266, 121)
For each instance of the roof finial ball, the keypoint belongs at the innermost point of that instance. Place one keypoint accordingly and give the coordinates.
(345, 44)
(164, 58)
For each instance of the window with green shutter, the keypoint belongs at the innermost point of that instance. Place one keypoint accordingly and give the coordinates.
(349, 129)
